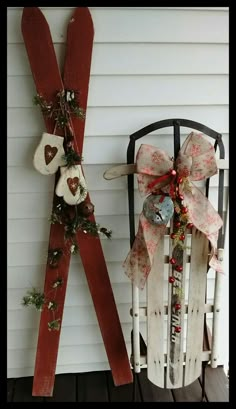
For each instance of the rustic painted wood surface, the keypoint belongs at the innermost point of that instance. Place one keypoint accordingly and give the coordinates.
(91, 252)
(48, 81)
(75, 77)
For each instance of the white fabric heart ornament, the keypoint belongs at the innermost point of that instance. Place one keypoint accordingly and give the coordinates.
(48, 156)
(71, 185)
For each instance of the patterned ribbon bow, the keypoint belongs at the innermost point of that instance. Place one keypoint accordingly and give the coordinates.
(195, 161)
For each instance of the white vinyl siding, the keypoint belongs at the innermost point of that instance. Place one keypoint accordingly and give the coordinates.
(148, 64)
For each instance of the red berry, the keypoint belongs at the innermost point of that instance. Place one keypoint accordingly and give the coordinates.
(177, 224)
(172, 260)
(179, 179)
(177, 329)
(171, 279)
(178, 306)
(173, 235)
(179, 268)
(184, 210)
(181, 197)
(190, 225)
(182, 237)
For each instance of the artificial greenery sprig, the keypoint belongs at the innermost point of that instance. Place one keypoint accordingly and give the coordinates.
(39, 300)
(66, 104)
(73, 220)
(35, 298)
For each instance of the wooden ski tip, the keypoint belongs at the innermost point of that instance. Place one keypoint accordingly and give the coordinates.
(120, 170)
(82, 14)
(30, 15)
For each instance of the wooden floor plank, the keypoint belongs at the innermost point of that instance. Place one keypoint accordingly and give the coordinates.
(23, 391)
(92, 387)
(10, 389)
(151, 392)
(64, 389)
(216, 385)
(99, 387)
(190, 393)
(123, 393)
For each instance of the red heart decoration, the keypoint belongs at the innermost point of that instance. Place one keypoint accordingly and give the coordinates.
(49, 153)
(73, 184)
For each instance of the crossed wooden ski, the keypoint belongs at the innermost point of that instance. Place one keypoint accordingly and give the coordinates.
(48, 82)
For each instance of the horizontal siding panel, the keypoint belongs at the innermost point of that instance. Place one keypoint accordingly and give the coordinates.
(136, 59)
(80, 315)
(36, 230)
(184, 26)
(60, 369)
(80, 295)
(77, 295)
(26, 180)
(67, 355)
(38, 205)
(33, 254)
(137, 90)
(120, 120)
(26, 276)
(89, 335)
(106, 151)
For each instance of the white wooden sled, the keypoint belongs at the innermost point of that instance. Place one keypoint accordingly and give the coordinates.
(176, 360)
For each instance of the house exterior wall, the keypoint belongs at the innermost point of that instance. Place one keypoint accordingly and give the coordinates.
(148, 64)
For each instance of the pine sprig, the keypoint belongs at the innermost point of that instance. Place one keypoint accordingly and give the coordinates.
(54, 325)
(34, 298)
(71, 157)
(66, 104)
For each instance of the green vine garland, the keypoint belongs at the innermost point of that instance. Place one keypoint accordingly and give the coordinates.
(73, 218)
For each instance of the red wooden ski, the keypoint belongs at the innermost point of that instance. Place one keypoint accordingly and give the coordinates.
(48, 81)
(76, 76)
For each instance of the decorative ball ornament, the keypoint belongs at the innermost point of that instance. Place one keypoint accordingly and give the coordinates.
(189, 226)
(173, 260)
(177, 306)
(158, 209)
(171, 280)
(177, 224)
(179, 268)
(48, 156)
(184, 210)
(71, 185)
(177, 329)
(86, 208)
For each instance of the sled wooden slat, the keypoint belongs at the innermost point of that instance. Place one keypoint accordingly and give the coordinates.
(174, 373)
(196, 300)
(155, 318)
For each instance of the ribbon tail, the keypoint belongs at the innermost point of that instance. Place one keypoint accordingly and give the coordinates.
(206, 219)
(138, 262)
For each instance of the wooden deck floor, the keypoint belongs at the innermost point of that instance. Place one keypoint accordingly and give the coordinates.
(99, 387)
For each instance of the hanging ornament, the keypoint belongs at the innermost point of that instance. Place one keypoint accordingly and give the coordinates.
(158, 209)
(86, 208)
(71, 185)
(49, 154)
